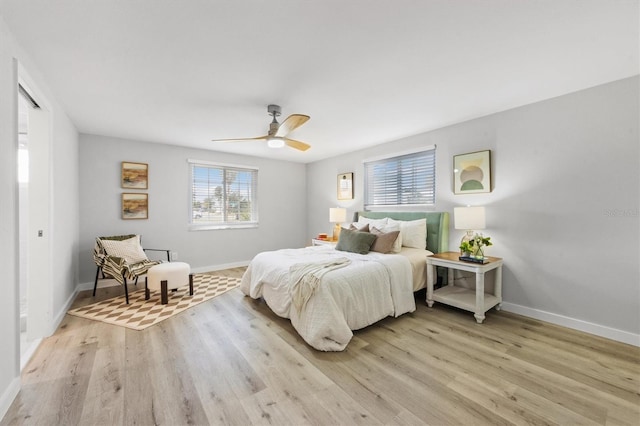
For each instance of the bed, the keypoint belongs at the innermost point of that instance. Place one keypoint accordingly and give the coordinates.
(328, 293)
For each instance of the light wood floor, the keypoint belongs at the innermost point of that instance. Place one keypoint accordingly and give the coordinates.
(232, 361)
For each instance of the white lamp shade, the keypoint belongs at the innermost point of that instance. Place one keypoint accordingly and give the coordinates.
(337, 215)
(469, 218)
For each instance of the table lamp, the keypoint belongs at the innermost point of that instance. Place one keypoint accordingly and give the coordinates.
(337, 215)
(469, 219)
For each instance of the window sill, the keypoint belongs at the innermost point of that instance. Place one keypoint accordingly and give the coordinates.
(212, 227)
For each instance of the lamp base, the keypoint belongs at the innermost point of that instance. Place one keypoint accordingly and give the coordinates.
(467, 237)
(336, 232)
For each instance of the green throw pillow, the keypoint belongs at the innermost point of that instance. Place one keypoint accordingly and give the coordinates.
(355, 241)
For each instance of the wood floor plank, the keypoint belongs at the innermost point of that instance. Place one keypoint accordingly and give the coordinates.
(174, 398)
(138, 402)
(556, 388)
(231, 360)
(104, 400)
(207, 369)
(53, 390)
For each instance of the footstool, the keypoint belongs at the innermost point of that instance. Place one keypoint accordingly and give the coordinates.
(167, 276)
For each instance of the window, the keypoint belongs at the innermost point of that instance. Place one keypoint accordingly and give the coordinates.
(404, 180)
(223, 196)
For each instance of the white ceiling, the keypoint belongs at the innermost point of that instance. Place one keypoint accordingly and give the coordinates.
(366, 71)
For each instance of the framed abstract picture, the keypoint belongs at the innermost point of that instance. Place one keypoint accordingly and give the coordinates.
(135, 175)
(135, 206)
(472, 172)
(345, 186)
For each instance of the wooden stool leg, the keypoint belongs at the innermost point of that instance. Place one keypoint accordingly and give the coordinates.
(190, 284)
(164, 297)
(146, 289)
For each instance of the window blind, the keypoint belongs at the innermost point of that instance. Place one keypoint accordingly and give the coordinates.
(404, 180)
(223, 195)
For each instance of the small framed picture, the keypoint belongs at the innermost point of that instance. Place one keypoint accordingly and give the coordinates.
(135, 206)
(135, 175)
(472, 172)
(345, 186)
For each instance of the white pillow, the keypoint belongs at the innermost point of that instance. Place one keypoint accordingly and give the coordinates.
(130, 250)
(413, 232)
(397, 245)
(359, 226)
(378, 223)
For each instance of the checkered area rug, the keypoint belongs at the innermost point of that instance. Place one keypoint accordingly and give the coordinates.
(140, 314)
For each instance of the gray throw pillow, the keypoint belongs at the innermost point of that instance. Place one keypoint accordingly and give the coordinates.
(355, 241)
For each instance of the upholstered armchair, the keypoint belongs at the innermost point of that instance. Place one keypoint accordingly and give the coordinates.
(122, 257)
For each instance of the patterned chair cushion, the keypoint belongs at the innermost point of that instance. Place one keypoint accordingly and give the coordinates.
(130, 250)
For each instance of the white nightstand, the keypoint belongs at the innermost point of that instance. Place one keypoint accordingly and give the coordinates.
(317, 242)
(474, 300)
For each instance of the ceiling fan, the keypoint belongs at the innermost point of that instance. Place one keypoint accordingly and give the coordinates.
(277, 136)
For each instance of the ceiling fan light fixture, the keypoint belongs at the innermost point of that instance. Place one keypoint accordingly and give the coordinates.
(275, 142)
(278, 132)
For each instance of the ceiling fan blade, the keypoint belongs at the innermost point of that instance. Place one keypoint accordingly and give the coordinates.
(260, 138)
(296, 144)
(291, 123)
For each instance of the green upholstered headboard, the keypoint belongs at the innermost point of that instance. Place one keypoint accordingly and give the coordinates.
(437, 225)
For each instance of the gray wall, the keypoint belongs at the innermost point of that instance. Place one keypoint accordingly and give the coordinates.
(281, 195)
(564, 211)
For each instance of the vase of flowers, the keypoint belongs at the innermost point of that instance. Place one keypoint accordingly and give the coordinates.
(475, 246)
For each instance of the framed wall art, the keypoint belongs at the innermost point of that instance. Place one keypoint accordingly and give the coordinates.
(345, 186)
(472, 172)
(135, 206)
(135, 175)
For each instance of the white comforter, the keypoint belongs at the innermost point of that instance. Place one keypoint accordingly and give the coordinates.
(369, 288)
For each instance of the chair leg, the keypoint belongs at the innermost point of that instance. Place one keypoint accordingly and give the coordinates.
(95, 283)
(190, 284)
(126, 290)
(146, 289)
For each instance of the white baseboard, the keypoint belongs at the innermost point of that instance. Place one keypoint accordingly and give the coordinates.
(212, 268)
(8, 396)
(28, 353)
(110, 282)
(60, 316)
(198, 270)
(587, 327)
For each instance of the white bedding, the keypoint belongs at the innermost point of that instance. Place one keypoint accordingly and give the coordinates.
(369, 288)
(418, 259)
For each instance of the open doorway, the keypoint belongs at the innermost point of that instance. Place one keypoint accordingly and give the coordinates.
(33, 221)
(24, 105)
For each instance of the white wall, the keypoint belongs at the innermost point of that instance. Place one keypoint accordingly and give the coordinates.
(281, 195)
(64, 208)
(564, 211)
(65, 232)
(9, 332)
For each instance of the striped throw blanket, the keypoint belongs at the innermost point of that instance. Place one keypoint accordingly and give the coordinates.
(305, 278)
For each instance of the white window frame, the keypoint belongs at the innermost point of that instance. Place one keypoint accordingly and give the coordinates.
(212, 225)
(401, 184)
